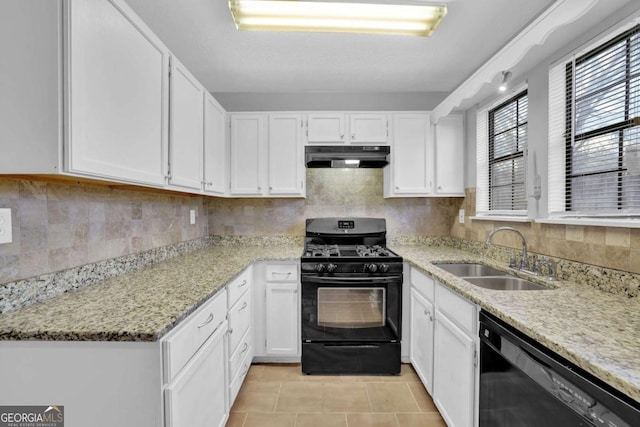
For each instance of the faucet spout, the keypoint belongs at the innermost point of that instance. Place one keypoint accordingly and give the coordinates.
(523, 262)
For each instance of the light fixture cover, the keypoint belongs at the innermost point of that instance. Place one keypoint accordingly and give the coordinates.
(504, 85)
(336, 16)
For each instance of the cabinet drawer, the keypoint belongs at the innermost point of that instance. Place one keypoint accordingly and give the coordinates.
(458, 309)
(236, 382)
(181, 344)
(239, 321)
(282, 273)
(244, 348)
(238, 286)
(424, 284)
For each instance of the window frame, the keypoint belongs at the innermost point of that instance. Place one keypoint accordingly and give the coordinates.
(522, 153)
(618, 127)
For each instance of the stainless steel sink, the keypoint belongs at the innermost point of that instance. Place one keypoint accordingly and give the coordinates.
(505, 283)
(471, 270)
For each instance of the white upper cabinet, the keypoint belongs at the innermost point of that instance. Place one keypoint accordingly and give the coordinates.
(326, 128)
(116, 94)
(449, 155)
(342, 128)
(215, 147)
(369, 128)
(187, 128)
(247, 143)
(410, 171)
(286, 155)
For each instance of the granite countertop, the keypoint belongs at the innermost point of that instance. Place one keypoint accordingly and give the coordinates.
(143, 305)
(598, 331)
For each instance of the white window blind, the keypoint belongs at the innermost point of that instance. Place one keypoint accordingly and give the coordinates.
(501, 132)
(594, 130)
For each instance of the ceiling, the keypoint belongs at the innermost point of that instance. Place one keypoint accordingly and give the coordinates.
(203, 36)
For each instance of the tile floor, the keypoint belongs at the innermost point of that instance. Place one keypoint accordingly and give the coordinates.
(282, 396)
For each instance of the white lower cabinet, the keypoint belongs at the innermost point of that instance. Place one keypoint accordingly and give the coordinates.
(422, 338)
(277, 311)
(444, 343)
(198, 396)
(240, 331)
(195, 356)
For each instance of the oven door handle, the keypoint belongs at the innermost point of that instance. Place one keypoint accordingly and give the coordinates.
(331, 280)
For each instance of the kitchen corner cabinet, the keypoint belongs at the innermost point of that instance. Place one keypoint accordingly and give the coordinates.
(216, 153)
(186, 136)
(455, 358)
(449, 156)
(277, 314)
(247, 152)
(80, 103)
(286, 155)
(410, 172)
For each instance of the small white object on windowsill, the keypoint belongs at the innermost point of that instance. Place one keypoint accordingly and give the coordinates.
(632, 159)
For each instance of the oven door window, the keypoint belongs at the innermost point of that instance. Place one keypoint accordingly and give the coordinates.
(351, 307)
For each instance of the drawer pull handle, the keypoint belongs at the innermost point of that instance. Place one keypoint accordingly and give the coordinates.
(230, 331)
(206, 322)
(246, 369)
(244, 283)
(288, 273)
(245, 347)
(243, 306)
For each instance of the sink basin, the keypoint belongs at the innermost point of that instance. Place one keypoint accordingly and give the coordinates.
(505, 283)
(471, 270)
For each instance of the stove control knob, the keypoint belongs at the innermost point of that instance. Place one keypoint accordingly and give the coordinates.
(372, 268)
(320, 268)
(384, 268)
(331, 268)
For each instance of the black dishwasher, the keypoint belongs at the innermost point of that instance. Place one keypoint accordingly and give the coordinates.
(525, 384)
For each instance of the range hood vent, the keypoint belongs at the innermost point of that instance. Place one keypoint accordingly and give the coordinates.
(347, 156)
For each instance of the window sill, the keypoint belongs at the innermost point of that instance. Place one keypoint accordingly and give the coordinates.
(603, 222)
(502, 218)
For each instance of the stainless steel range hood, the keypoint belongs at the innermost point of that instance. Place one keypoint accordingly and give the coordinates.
(347, 156)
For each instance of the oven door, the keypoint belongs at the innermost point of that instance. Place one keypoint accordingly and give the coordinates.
(341, 308)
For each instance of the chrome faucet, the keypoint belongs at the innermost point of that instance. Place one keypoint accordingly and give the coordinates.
(523, 261)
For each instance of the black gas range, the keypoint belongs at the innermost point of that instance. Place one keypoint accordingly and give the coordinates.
(351, 298)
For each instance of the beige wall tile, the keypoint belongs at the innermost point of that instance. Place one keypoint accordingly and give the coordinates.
(574, 233)
(634, 261)
(635, 238)
(618, 237)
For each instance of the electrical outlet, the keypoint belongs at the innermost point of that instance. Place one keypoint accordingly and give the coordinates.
(461, 216)
(5, 226)
(192, 216)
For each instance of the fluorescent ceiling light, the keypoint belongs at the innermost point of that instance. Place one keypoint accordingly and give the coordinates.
(336, 16)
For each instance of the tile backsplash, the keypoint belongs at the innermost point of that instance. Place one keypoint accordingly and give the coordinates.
(611, 247)
(62, 225)
(330, 193)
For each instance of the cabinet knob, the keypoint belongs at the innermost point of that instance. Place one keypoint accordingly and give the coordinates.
(439, 187)
(270, 188)
(397, 188)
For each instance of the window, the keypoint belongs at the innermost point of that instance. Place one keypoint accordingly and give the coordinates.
(501, 157)
(594, 132)
(507, 144)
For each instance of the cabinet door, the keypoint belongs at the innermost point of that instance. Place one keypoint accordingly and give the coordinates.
(197, 397)
(286, 171)
(186, 140)
(453, 373)
(369, 128)
(215, 147)
(326, 128)
(411, 154)
(247, 134)
(449, 155)
(116, 91)
(422, 338)
(282, 319)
